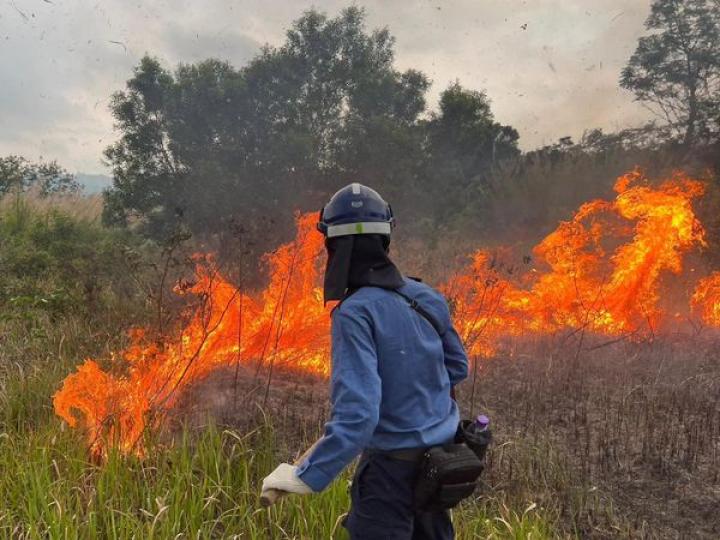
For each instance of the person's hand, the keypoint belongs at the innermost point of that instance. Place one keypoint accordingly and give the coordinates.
(284, 479)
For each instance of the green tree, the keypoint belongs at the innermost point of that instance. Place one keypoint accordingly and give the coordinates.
(676, 69)
(464, 144)
(209, 144)
(18, 175)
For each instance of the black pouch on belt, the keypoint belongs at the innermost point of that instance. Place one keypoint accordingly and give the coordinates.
(448, 474)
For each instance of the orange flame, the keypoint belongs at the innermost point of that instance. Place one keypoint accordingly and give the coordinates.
(286, 324)
(706, 299)
(602, 268)
(600, 271)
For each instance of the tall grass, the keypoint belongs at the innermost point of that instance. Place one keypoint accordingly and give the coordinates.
(201, 483)
(204, 487)
(75, 205)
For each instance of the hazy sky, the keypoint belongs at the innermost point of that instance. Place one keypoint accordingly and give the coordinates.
(550, 66)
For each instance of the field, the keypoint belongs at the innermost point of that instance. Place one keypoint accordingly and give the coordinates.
(594, 437)
(622, 444)
(195, 482)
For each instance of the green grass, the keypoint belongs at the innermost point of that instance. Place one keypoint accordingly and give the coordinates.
(206, 487)
(201, 484)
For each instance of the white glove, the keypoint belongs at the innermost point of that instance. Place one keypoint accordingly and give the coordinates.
(284, 478)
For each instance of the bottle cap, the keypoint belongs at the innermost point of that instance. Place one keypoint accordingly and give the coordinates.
(482, 420)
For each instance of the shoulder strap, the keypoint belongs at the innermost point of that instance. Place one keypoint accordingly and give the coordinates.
(420, 310)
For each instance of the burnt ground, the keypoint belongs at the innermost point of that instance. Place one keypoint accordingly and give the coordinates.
(294, 404)
(618, 440)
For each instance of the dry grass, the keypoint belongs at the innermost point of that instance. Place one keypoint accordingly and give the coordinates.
(75, 205)
(638, 426)
(624, 442)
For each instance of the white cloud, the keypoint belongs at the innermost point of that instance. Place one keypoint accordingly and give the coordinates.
(60, 61)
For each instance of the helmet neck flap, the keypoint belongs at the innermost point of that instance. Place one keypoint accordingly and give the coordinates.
(356, 261)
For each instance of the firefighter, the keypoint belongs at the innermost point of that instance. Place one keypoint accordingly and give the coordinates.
(395, 359)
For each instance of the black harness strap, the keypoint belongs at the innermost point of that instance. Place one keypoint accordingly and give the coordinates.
(421, 311)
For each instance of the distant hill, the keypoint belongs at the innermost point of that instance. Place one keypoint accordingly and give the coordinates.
(93, 183)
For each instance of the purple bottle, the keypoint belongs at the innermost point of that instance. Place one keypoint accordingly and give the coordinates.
(477, 435)
(482, 423)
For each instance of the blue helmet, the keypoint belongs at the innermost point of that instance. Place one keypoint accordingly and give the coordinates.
(356, 209)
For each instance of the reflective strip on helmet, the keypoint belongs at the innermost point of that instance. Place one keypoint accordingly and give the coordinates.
(368, 227)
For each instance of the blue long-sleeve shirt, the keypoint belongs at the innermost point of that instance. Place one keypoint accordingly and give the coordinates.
(391, 378)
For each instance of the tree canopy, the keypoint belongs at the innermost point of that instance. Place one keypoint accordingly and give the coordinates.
(209, 143)
(464, 144)
(17, 175)
(676, 68)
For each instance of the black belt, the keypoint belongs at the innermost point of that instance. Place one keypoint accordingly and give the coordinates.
(405, 454)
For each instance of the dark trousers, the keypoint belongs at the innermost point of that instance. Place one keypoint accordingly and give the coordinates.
(382, 504)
